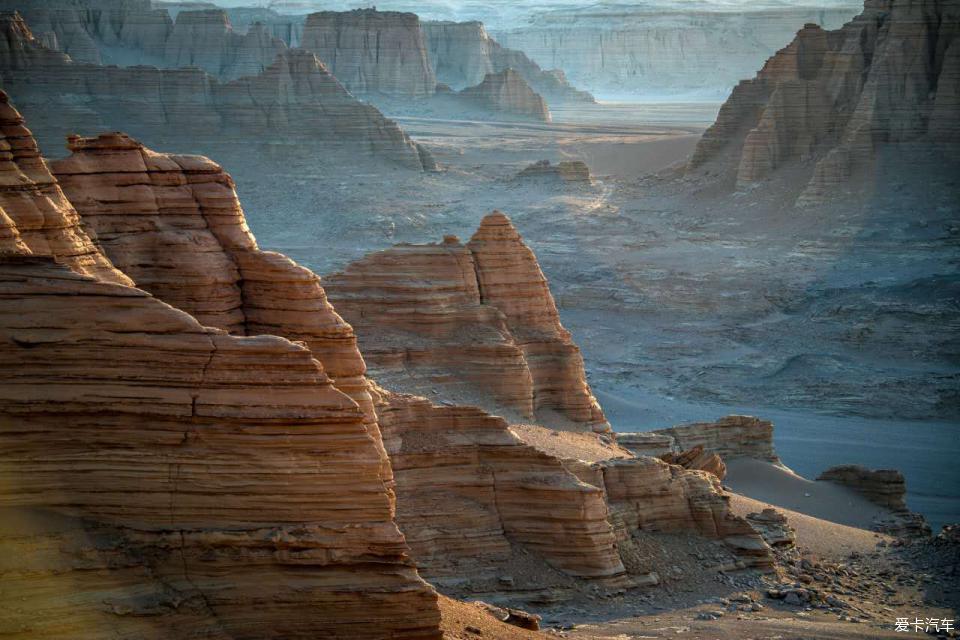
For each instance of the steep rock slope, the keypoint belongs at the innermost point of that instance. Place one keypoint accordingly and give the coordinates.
(477, 320)
(261, 508)
(830, 100)
(462, 54)
(507, 92)
(370, 51)
(294, 98)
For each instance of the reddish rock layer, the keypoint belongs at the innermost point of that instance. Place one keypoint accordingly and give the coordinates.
(370, 51)
(729, 437)
(509, 93)
(162, 478)
(46, 222)
(829, 99)
(468, 490)
(477, 321)
(174, 224)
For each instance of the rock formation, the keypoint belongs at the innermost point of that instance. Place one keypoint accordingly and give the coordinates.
(626, 51)
(829, 100)
(773, 526)
(413, 307)
(39, 215)
(294, 98)
(236, 530)
(372, 52)
(729, 437)
(507, 92)
(699, 460)
(884, 487)
(566, 170)
(206, 39)
(130, 32)
(284, 26)
(462, 54)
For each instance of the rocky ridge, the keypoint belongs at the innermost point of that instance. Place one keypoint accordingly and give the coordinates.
(507, 92)
(413, 305)
(218, 436)
(295, 97)
(729, 437)
(831, 100)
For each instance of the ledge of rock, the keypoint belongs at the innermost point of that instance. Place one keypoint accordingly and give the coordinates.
(728, 437)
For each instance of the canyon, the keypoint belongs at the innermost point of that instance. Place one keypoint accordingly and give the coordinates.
(320, 413)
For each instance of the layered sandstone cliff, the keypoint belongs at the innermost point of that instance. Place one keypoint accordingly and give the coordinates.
(235, 530)
(508, 93)
(293, 98)
(830, 100)
(372, 52)
(462, 54)
(475, 320)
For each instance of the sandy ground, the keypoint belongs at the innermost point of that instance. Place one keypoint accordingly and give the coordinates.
(588, 447)
(765, 482)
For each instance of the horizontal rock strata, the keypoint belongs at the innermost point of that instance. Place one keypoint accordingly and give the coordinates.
(729, 437)
(566, 170)
(370, 51)
(884, 487)
(476, 321)
(293, 98)
(260, 505)
(507, 92)
(828, 100)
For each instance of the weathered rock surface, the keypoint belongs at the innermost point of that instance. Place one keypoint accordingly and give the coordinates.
(294, 98)
(370, 51)
(130, 32)
(828, 100)
(477, 321)
(698, 459)
(509, 93)
(729, 437)
(173, 479)
(462, 54)
(885, 487)
(468, 490)
(44, 221)
(773, 526)
(566, 170)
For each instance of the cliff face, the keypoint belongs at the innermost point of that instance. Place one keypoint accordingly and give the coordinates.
(628, 51)
(236, 530)
(829, 100)
(462, 54)
(40, 216)
(130, 32)
(413, 306)
(508, 92)
(294, 98)
(375, 52)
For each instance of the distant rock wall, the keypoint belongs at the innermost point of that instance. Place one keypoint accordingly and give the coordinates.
(462, 54)
(507, 92)
(623, 52)
(829, 99)
(375, 52)
(294, 98)
(477, 321)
